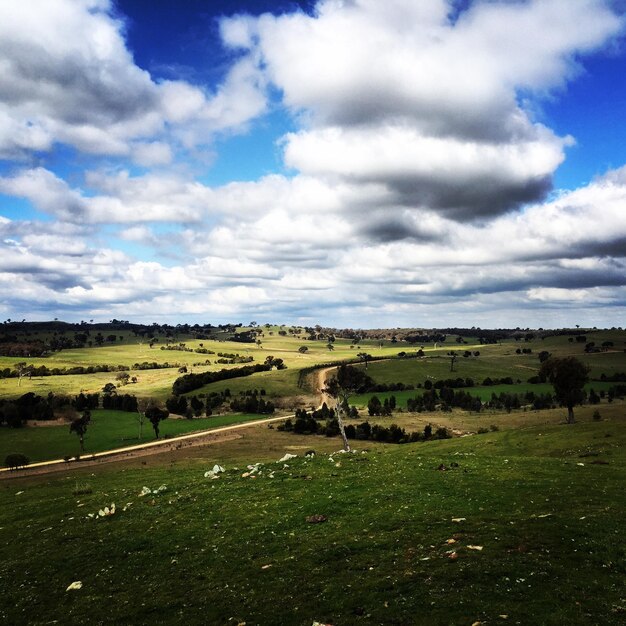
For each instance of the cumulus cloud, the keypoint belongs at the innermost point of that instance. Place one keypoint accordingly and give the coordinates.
(406, 96)
(419, 182)
(67, 76)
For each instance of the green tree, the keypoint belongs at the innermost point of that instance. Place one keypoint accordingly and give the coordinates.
(155, 414)
(79, 426)
(365, 357)
(568, 377)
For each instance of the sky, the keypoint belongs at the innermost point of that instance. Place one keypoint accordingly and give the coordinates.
(352, 163)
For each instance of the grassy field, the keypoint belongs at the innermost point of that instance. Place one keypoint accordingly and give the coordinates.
(527, 528)
(462, 422)
(495, 360)
(106, 431)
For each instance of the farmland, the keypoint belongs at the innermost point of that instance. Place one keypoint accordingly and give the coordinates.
(523, 516)
(518, 513)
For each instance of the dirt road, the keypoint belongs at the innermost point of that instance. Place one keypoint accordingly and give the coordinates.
(204, 437)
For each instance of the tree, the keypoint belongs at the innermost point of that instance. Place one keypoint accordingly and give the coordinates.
(374, 406)
(156, 415)
(303, 349)
(109, 388)
(365, 357)
(123, 378)
(568, 377)
(15, 461)
(142, 405)
(543, 356)
(347, 381)
(79, 426)
(23, 370)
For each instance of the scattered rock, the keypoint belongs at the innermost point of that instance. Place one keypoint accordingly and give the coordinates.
(316, 519)
(214, 473)
(106, 511)
(75, 586)
(287, 457)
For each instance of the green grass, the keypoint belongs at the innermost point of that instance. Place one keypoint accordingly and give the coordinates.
(106, 431)
(240, 550)
(495, 360)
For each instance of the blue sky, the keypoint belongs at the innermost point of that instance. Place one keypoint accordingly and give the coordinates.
(341, 162)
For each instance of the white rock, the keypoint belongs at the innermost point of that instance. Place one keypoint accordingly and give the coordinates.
(77, 584)
(287, 457)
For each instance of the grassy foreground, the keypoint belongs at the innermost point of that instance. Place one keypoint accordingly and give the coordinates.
(534, 517)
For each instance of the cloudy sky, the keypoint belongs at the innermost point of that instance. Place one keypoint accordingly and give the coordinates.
(344, 162)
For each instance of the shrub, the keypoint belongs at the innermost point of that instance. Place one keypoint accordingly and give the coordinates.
(15, 461)
(596, 416)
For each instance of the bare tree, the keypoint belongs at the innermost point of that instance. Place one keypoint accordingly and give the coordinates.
(23, 370)
(346, 382)
(142, 406)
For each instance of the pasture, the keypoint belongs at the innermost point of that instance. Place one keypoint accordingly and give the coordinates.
(523, 526)
(106, 431)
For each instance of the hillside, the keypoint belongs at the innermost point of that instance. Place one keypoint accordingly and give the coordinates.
(525, 524)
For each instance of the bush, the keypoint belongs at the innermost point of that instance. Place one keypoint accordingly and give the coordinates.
(15, 461)
(596, 416)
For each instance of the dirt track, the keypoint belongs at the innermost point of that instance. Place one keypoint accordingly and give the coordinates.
(320, 383)
(224, 433)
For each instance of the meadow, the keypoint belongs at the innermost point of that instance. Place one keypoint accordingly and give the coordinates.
(524, 526)
(106, 431)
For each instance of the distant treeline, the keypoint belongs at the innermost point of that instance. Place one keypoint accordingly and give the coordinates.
(191, 382)
(43, 370)
(250, 401)
(324, 422)
(31, 406)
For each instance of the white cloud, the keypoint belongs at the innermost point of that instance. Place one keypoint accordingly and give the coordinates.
(67, 76)
(46, 192)
(410, 124)
(152, 153)
(401, 95)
